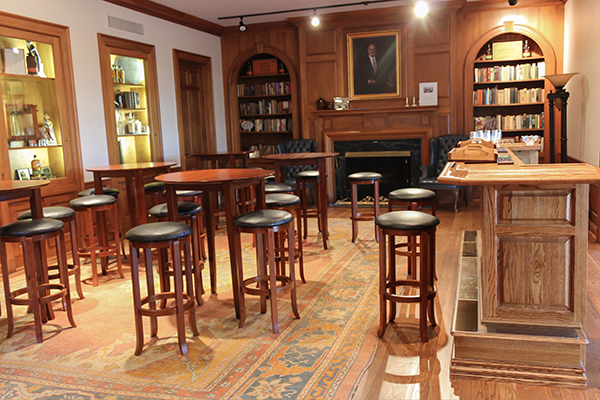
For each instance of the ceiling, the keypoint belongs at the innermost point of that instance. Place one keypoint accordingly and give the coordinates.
(211, 10)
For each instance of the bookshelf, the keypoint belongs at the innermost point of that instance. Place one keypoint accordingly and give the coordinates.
(264, 97)
(509, 93)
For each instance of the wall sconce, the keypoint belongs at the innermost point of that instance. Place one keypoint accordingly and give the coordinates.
(559, 98)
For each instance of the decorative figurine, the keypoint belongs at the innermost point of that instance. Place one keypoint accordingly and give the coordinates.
(40, 67)
(49, 127)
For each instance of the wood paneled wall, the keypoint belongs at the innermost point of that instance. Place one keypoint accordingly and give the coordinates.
(434, 49)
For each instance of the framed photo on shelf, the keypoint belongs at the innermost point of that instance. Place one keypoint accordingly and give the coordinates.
(46, 172)
(374, 65)
(428, 94)
(23, 174)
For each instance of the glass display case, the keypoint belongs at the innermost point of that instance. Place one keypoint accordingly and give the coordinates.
(32, 119)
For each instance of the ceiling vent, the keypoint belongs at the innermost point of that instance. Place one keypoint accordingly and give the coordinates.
(124, 25)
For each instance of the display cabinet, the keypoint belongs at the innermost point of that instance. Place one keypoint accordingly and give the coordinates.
(130, 100)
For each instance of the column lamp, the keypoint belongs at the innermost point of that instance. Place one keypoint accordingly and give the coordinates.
(559, 98)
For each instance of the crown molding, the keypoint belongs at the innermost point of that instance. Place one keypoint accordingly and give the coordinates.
(169, 14)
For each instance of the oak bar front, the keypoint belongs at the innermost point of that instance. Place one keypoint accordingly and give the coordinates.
(526, 323)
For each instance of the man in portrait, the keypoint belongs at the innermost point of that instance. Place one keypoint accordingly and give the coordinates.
(374, 70)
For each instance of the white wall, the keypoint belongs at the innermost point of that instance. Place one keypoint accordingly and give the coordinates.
(581, 34)
(87, 18)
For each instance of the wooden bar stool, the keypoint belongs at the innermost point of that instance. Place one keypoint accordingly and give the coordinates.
(155, 191)
(264, 224)
(86, 206)
(364, 178)
(39, 292)
(413, 199)
(162, 236)
(67, 216)
(411, 224)
(190, 212)
(273, 187)
(305, 179)
(290, 203)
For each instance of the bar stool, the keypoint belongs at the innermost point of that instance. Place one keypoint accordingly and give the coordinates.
(196, 197)
(364, 178)
(38, 291)
(305, 179)
(412, 198)
(67, 216)
(162, 236)
(155, 191)
(411, 224)
(264, 224)
(273, 187)
(87, 206)
(290, 203)
(190, 212)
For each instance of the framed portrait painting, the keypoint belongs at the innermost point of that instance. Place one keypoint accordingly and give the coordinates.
(374, 65)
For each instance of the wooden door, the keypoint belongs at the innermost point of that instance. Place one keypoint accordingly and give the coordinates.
(195, 106)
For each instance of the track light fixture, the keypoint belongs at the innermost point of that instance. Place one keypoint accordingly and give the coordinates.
(512, 2)
(314, 21)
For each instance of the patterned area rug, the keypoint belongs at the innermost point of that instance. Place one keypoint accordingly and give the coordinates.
(320, 356)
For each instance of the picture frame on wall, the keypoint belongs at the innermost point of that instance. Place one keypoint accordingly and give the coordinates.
(428, 94)
(374, 68)
(22, 174)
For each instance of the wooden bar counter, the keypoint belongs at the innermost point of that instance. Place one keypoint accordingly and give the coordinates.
(520, 314)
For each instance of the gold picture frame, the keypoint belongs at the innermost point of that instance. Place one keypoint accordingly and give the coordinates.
(378, 78)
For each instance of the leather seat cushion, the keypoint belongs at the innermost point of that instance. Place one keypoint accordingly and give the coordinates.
(263, 219)
(31, 227)
(281, 200)
(50, 212)
(92, 201)
(158, 232)
(411, 194)
(154, 187)
(363, 176)
(183, 208)
(310, 174)
(106, 190)
(407, 220)
(279, 188)
(186, 193)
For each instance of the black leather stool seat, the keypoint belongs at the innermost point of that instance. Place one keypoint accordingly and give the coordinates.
(279, 188)
(93, 201)
(31, 227)
(310, 174)
(281, 200)
(364, 176)
(186, 193)
(407, 220)
(158, 232)
(411, 194)
(50, 212)
(106, 191)
(154, 187)
(183, 208)
(263, 219)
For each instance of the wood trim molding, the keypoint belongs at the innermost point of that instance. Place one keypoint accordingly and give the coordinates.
(149, 7)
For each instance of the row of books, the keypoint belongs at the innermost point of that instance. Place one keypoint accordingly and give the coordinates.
(505, 73)
(272, 125)
(510, 122)
(510, 95)
(265, 149)
(130, 99)
(263, 89)
(265, 107)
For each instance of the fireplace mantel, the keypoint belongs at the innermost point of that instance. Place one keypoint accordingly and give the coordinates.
(391, 123)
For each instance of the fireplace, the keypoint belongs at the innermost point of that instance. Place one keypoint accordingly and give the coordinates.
(397, 161)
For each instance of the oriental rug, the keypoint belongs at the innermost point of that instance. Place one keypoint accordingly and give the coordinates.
(320, 356)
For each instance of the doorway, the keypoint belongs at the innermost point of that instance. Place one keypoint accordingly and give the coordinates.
(195, 106)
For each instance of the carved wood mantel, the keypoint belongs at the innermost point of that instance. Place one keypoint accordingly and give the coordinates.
(391, 123)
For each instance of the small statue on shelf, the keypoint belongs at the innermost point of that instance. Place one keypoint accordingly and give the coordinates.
(40, 67)
(49, 128)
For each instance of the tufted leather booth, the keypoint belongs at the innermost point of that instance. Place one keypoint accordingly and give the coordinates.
(439, 148)
(297, 146)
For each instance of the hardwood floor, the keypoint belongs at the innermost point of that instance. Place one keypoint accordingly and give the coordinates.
(405, 368)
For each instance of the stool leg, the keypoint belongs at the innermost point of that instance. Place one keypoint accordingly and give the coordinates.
(354, 202)
(63, 270)
(423, 289)
(392, 264)
(301, 255)
(89, 226)
(7, 295)
(150, 287)
(196, 266)
(291, 256)
(376, 206)
(382, 286)
(190, 286)
(76, 262)
(272, 280)
(261, 269)
(301, 192)
(430, 272)
(117, 234)
(137, 304)
(32, 285)
(179, 296)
